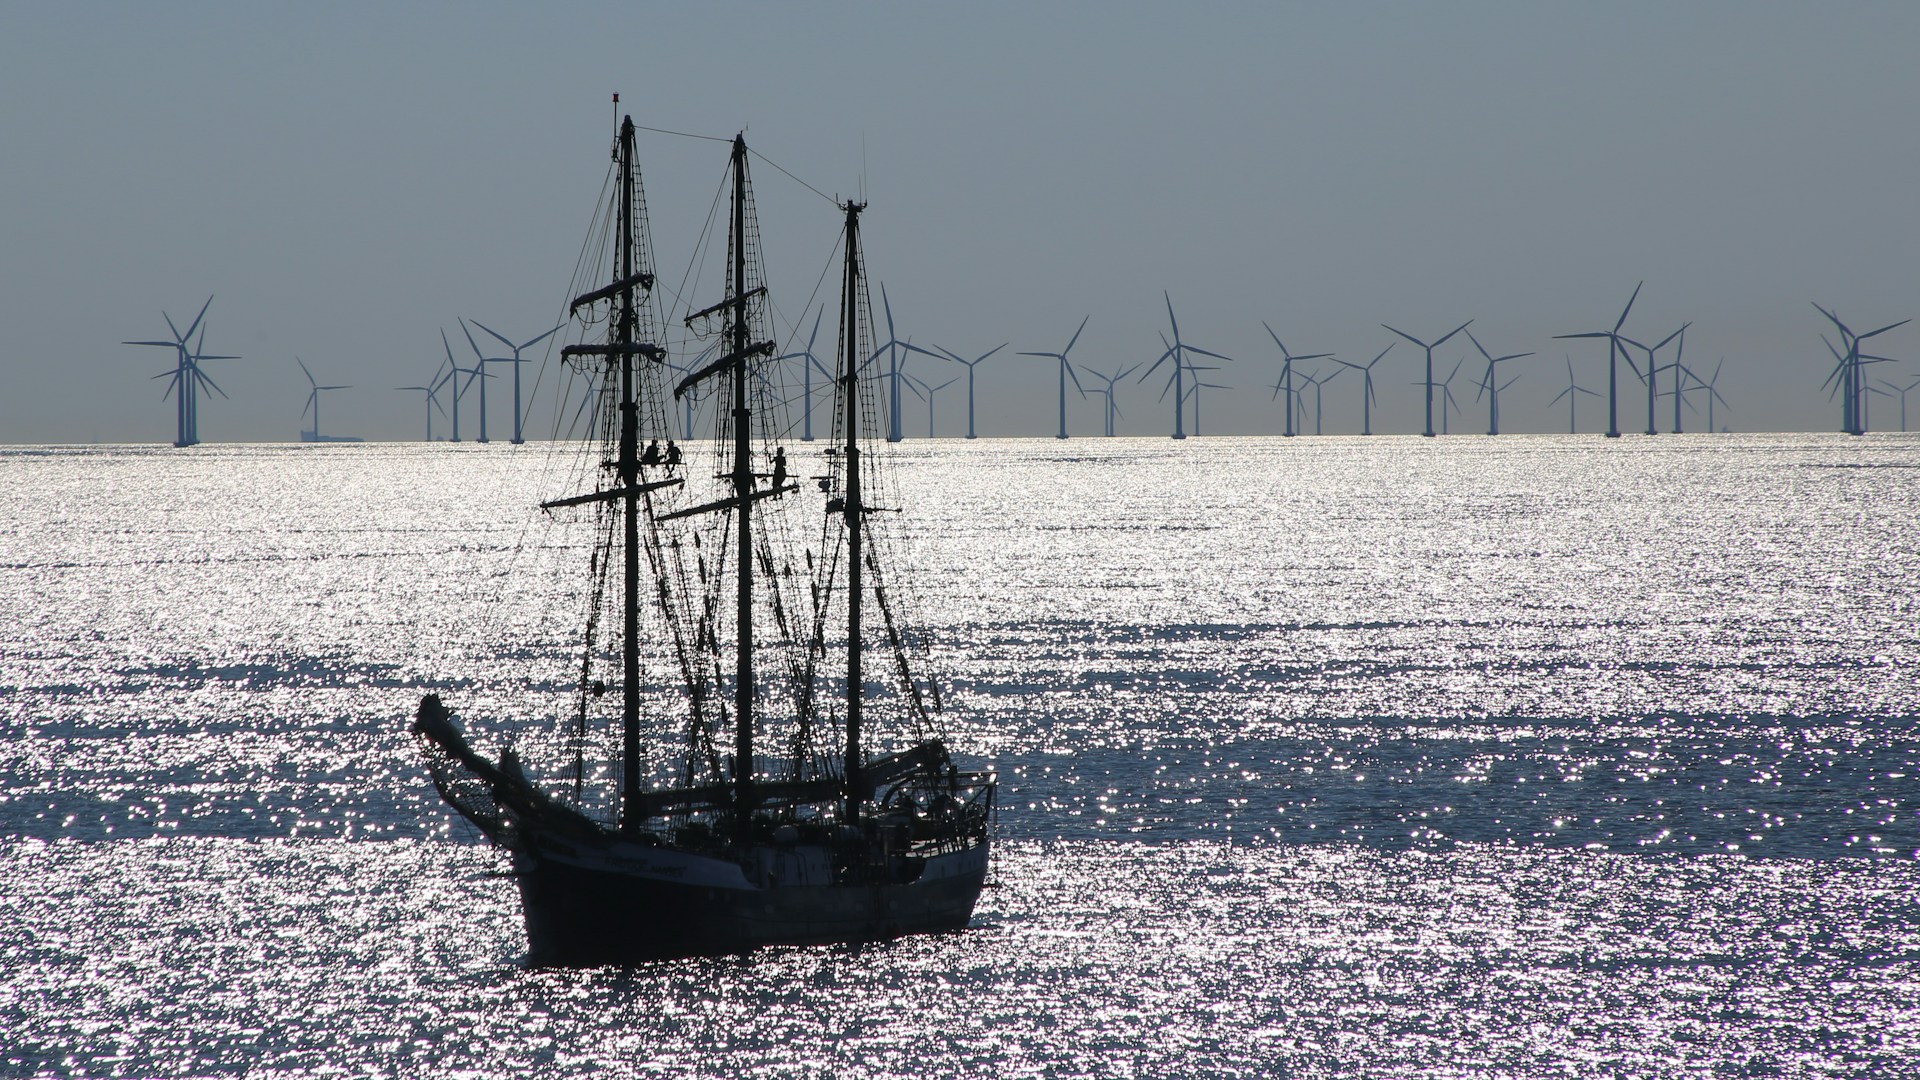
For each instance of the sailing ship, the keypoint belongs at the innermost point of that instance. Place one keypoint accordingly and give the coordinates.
(689, 850)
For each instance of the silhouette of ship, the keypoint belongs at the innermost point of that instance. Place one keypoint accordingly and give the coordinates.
(694, 851)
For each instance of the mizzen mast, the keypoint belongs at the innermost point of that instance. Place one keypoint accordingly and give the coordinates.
(853, 512)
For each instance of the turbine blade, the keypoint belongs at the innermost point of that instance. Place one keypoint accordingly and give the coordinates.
(1623, 311)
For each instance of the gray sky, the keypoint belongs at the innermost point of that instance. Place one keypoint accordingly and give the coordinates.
(349, 178)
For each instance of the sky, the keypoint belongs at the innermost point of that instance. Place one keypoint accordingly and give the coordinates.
(347, 180)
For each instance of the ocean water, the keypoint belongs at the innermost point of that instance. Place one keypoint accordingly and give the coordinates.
(1528, 756)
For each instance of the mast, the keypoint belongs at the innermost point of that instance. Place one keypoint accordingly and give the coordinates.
(629, 467)
(854, 512)
(743, 490)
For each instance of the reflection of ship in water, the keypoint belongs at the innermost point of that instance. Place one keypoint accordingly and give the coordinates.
(710, 843)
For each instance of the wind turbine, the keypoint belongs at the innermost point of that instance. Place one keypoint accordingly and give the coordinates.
(1066, 369)
(1613, 350)
(1902, 391)
(1572, 394)
(1490, 384)
(1194, 392)
(431, 390)
(187, 376)
(313, 402)
(454, 371)
(1176, 351)
(1113, 409)
(809, 363)
(925, 393)
(1366, 392)
(516, 361)
(971, 365)
(1429, 380)
(893, 348)
(1848, 370)
(1286, 374)
(1448, 405)
(1654, 368)
(1713, 395)
(479, 369)
(1314, 380)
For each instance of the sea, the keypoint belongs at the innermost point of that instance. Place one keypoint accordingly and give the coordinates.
(1528, 756)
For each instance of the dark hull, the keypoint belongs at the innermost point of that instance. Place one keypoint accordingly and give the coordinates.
(579, 915)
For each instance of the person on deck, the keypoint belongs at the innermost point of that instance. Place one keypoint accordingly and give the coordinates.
(651, 456)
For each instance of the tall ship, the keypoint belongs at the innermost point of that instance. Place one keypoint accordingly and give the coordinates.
(773, 773)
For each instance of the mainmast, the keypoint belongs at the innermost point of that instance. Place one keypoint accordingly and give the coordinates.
(743, 490)
(854, 512)
(630, 502)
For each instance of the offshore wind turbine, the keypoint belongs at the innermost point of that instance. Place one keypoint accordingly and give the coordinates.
(1448, 405)
(1572, 394)
(1902, 391)
(1176, 351)
(1366, 391)
(1286, 373)
(1113, 409)
(431, 390)
(480, 363)
(1713, 394)
(1066, 369)
(809, 363)
(971, 365)
(925, 393)
(1614, 349)
(1849, 370)
(187, 376)
(516, 361)
(1490, 384)
(1654, 368)
(1318, 383)
(1429, 380)
(454, 371)
(1194, 392)
(893, 348)
(313, 402)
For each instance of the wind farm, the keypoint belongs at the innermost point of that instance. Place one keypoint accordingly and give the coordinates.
(1661, 369)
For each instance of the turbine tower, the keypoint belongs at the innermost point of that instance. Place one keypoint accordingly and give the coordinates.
(1286, 374)
(1614, 349)
(1490, 384)
(971, 365)
(516, 361)
(313, 402)
(1066, 369)
(1366, 390)
(1442, 340)
(1176, 351)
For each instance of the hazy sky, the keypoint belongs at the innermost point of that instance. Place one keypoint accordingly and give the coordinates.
(347, 179)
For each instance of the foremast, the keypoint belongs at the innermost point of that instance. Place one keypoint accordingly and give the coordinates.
(620, 356)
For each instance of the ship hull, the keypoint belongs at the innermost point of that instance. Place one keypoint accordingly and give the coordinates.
(590, 909)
